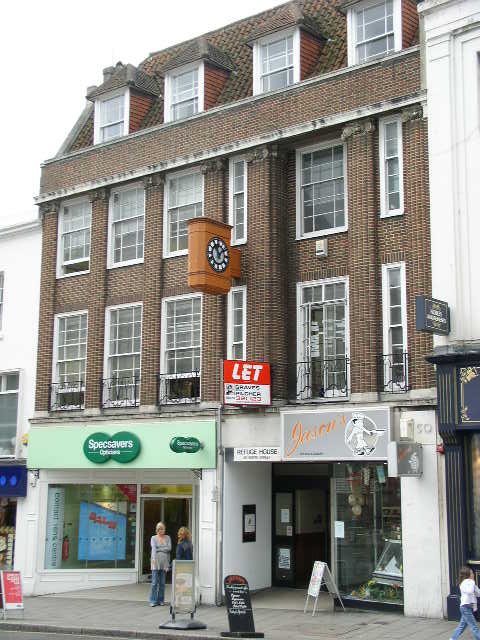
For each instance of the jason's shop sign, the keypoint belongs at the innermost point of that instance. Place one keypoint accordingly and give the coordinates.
(338, 434)
(122, 447)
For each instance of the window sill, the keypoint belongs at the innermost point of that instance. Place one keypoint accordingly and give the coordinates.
(128, 263)
(238, 243)
(392, 214)
(176, 254)
(321, 234)
(61, 276)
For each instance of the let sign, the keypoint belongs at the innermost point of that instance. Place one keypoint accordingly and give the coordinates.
(246, 383)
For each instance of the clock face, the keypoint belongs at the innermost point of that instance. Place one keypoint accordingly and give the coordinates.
(217, 254)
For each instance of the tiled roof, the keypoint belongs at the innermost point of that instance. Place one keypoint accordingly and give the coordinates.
(289, 15)
(231, 42)
(126, 75)
(199, 49)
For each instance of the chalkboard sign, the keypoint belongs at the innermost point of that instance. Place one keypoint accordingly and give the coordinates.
(239, 606)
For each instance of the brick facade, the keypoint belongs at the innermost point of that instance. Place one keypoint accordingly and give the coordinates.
(273, 259)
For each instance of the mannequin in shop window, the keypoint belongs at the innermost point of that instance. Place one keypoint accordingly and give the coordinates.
(160, 563)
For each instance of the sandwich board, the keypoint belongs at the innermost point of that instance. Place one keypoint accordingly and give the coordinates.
(11, 591)
(321, 573)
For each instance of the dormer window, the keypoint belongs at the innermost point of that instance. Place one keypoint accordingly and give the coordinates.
(184, 92)
(374, 30)
(111, 117)
(276, 61)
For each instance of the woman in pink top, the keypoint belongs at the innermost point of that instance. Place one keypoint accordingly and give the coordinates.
(468, 604)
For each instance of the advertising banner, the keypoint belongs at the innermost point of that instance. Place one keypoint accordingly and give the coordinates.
(336, 434)
(102, 533)
(246, 383)
(11, 590)
(183, 592)
(55, 517)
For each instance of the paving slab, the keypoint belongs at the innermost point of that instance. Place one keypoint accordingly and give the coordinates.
(124, 613)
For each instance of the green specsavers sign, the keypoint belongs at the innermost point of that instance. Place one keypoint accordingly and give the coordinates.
(121, 447)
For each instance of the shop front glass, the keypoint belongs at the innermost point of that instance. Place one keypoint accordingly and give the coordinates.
(367, 533)
(474, 528)
(91, 526)
(8, 515)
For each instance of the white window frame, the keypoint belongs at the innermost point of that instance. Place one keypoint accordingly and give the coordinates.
(387, 349)
(97, 128)
(106, 369)
(352, 30)
(2, 304)
(60, 234)
(232, 194)
(230, 324)
(385, 212)
(167, 115)
(257, 57)
(300, 336)
(56, 331)
(18, 372)
(111, 264)
(298, 189)
(166, 219)
(163, 343)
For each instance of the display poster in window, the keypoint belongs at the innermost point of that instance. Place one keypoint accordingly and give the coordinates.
(246, 383)
(12, 597)
(283, 558)
(102, 533)
(336, 434)
(55, 518)
(249, 518)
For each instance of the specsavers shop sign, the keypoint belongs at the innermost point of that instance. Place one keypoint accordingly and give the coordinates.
(122, 447)
(337, 434)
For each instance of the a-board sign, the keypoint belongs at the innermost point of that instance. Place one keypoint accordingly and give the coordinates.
(11, 583)
(239, 606)
(183, 581)
(316, 579)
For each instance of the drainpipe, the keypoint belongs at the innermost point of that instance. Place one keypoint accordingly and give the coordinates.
(220, 473)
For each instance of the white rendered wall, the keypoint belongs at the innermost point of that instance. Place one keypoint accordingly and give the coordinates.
(251, 431)
(452, 45)
(207, 542)
(422, 555)
(20, 254)
(248, 483)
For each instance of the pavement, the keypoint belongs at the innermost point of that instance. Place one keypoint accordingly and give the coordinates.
(123, 612)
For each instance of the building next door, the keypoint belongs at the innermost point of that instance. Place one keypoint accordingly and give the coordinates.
(173, 512)
(300, 528)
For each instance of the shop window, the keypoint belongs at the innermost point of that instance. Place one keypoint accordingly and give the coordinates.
(2, 277)
(237, 323)
(8, 517)
(321, 198)
(74, 238)
(9, 383)
(91, 526)
(473, 475)
(368, 533)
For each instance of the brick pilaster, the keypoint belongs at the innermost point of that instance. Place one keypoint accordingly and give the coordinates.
(97, 298)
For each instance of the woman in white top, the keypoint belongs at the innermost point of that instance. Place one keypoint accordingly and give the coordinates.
(159, 564)
(468, 604)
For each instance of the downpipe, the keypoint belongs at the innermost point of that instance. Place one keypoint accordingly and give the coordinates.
(220, 476)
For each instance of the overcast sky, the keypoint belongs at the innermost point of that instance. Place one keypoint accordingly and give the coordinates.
(52, 50)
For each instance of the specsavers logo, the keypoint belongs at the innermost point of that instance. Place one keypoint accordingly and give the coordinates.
(121, 447)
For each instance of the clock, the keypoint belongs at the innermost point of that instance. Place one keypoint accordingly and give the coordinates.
(217, 255)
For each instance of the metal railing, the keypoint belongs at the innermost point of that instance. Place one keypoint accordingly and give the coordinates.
(322, 379)
(120, 392)
(66, 396)
(178, 388)
(393, 372)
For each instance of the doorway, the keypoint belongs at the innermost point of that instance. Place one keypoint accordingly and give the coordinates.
(174, 512)
(301, 525)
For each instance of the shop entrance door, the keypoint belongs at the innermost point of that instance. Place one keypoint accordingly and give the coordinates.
(300, 530)
(174, 512)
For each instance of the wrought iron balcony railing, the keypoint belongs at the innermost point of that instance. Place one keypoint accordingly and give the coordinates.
(393, 372)
(322, 379)
(67, 396)
(120, 392)
(178, 388)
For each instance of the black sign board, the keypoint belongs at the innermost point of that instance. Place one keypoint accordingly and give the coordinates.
(432, 315)
(239, 608)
